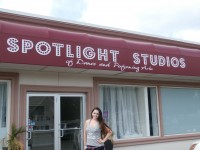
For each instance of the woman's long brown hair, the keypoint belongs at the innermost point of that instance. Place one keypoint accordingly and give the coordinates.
(101, 121)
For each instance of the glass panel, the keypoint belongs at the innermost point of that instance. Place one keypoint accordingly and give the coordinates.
(181, 113)
(3, 110)
(41, 122)
(71, 123)
(131, 111)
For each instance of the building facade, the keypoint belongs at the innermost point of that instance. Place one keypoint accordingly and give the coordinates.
(52, 73)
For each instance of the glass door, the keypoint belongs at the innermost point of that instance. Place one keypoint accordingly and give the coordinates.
(4, 111)
(40, 122)
(71, 122)
(55, 121)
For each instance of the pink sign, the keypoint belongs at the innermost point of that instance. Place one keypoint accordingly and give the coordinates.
(23, 44)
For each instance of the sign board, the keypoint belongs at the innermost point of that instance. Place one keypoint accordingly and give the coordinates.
(25, 44)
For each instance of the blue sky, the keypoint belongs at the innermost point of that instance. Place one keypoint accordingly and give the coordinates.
(176, 19)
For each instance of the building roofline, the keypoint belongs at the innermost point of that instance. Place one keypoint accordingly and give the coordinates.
(56, 23)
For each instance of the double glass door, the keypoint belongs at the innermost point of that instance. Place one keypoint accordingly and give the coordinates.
(55, 121)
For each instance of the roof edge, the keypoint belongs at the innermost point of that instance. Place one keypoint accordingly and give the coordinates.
(38, 20)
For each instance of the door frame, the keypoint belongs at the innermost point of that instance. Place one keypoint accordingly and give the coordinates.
(57, 138)
(83, 110)
(8, 109)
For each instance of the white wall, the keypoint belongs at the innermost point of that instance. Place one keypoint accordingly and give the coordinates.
(55, 79)
(178, 145)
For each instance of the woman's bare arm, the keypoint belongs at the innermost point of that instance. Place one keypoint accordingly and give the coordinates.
(85, 134)
(109, 133)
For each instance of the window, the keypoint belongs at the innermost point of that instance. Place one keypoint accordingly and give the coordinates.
(131, 111)
(181, 113)
(3, 102)
(3, 108)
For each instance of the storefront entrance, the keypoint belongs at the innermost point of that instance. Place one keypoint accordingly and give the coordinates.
(55, 121)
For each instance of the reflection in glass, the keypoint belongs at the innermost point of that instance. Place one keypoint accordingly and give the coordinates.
(70, 123)
(41, 122)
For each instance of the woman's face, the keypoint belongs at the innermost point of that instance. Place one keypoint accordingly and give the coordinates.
(95, 114)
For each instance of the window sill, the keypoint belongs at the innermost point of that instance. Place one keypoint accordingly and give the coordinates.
(152, 140)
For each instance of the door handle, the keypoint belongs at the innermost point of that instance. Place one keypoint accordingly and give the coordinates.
(62, 133)
(29, 135)
(72, 128)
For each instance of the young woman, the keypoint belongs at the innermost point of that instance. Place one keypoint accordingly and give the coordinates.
(96, 131)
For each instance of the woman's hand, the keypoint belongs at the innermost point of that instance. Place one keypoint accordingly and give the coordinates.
(100, 141)
(192, 147)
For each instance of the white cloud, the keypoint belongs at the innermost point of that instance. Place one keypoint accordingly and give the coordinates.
(162, 18)
(172, 19)
(110, 13)
(40, 7)
(68, 9)
(62, 9)
(189, 35)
